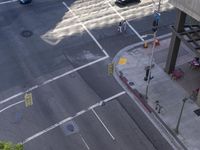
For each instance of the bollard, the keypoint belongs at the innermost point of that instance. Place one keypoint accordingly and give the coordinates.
(145, 44)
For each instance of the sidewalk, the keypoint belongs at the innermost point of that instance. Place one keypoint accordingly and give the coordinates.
(162, 88)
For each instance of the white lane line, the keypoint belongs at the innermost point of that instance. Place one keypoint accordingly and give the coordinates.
(139, 36)
(86, 145)
(12, 105)
(106, 100)
(69, 118)
(80, 112)
(6, 2)
(52, 79)
(19, 94)
(103, 124)
(83, 25)
(12, 97)
(76, 69)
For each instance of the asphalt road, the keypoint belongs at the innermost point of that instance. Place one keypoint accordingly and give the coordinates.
(52, 50)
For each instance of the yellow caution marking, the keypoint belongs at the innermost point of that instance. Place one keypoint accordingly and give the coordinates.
(122, 61)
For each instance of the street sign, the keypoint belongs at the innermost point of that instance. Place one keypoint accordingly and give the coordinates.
(110, 69)
(28, 99)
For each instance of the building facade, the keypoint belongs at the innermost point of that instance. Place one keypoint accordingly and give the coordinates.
(190, 7)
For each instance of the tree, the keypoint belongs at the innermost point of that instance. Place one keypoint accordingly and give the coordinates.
(10, 146)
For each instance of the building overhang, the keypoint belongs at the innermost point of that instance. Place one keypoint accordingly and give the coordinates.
(190, 7)
(190, 36)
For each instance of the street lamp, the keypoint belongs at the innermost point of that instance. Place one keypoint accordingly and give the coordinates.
(179, 118)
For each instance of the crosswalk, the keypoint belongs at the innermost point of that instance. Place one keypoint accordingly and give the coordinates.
(98, 14)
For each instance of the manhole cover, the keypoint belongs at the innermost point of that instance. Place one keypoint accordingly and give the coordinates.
(26, 33)
(197, 112)
(70, 127)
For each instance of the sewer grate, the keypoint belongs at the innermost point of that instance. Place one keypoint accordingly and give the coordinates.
(26, 33)
(197, 112)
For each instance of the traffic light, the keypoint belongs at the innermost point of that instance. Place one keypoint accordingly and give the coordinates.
(155, 21)
(110, 69)
(28, 99)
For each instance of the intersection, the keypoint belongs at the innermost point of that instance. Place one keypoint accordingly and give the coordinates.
(63, 63)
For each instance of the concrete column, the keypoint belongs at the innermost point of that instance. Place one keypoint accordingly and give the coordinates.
(198, 98)
(175, 42)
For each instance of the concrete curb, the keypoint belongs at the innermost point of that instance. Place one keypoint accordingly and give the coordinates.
(138, 98)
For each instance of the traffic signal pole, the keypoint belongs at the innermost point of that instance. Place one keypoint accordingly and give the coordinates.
(154, 28)
(159, 5)
(150, 65)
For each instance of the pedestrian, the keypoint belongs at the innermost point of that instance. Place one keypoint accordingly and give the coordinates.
(120, 27)
(124, 25)
(147, 69)
(158, 107)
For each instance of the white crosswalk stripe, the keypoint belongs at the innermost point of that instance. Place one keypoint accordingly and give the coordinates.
(97, 14)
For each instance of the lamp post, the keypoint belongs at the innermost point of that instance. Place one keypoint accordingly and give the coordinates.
(180, 115)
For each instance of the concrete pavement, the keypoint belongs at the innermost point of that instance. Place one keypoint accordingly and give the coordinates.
(162, 88)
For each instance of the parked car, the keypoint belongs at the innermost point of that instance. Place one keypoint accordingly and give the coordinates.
(125, 2)
(25, 1)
